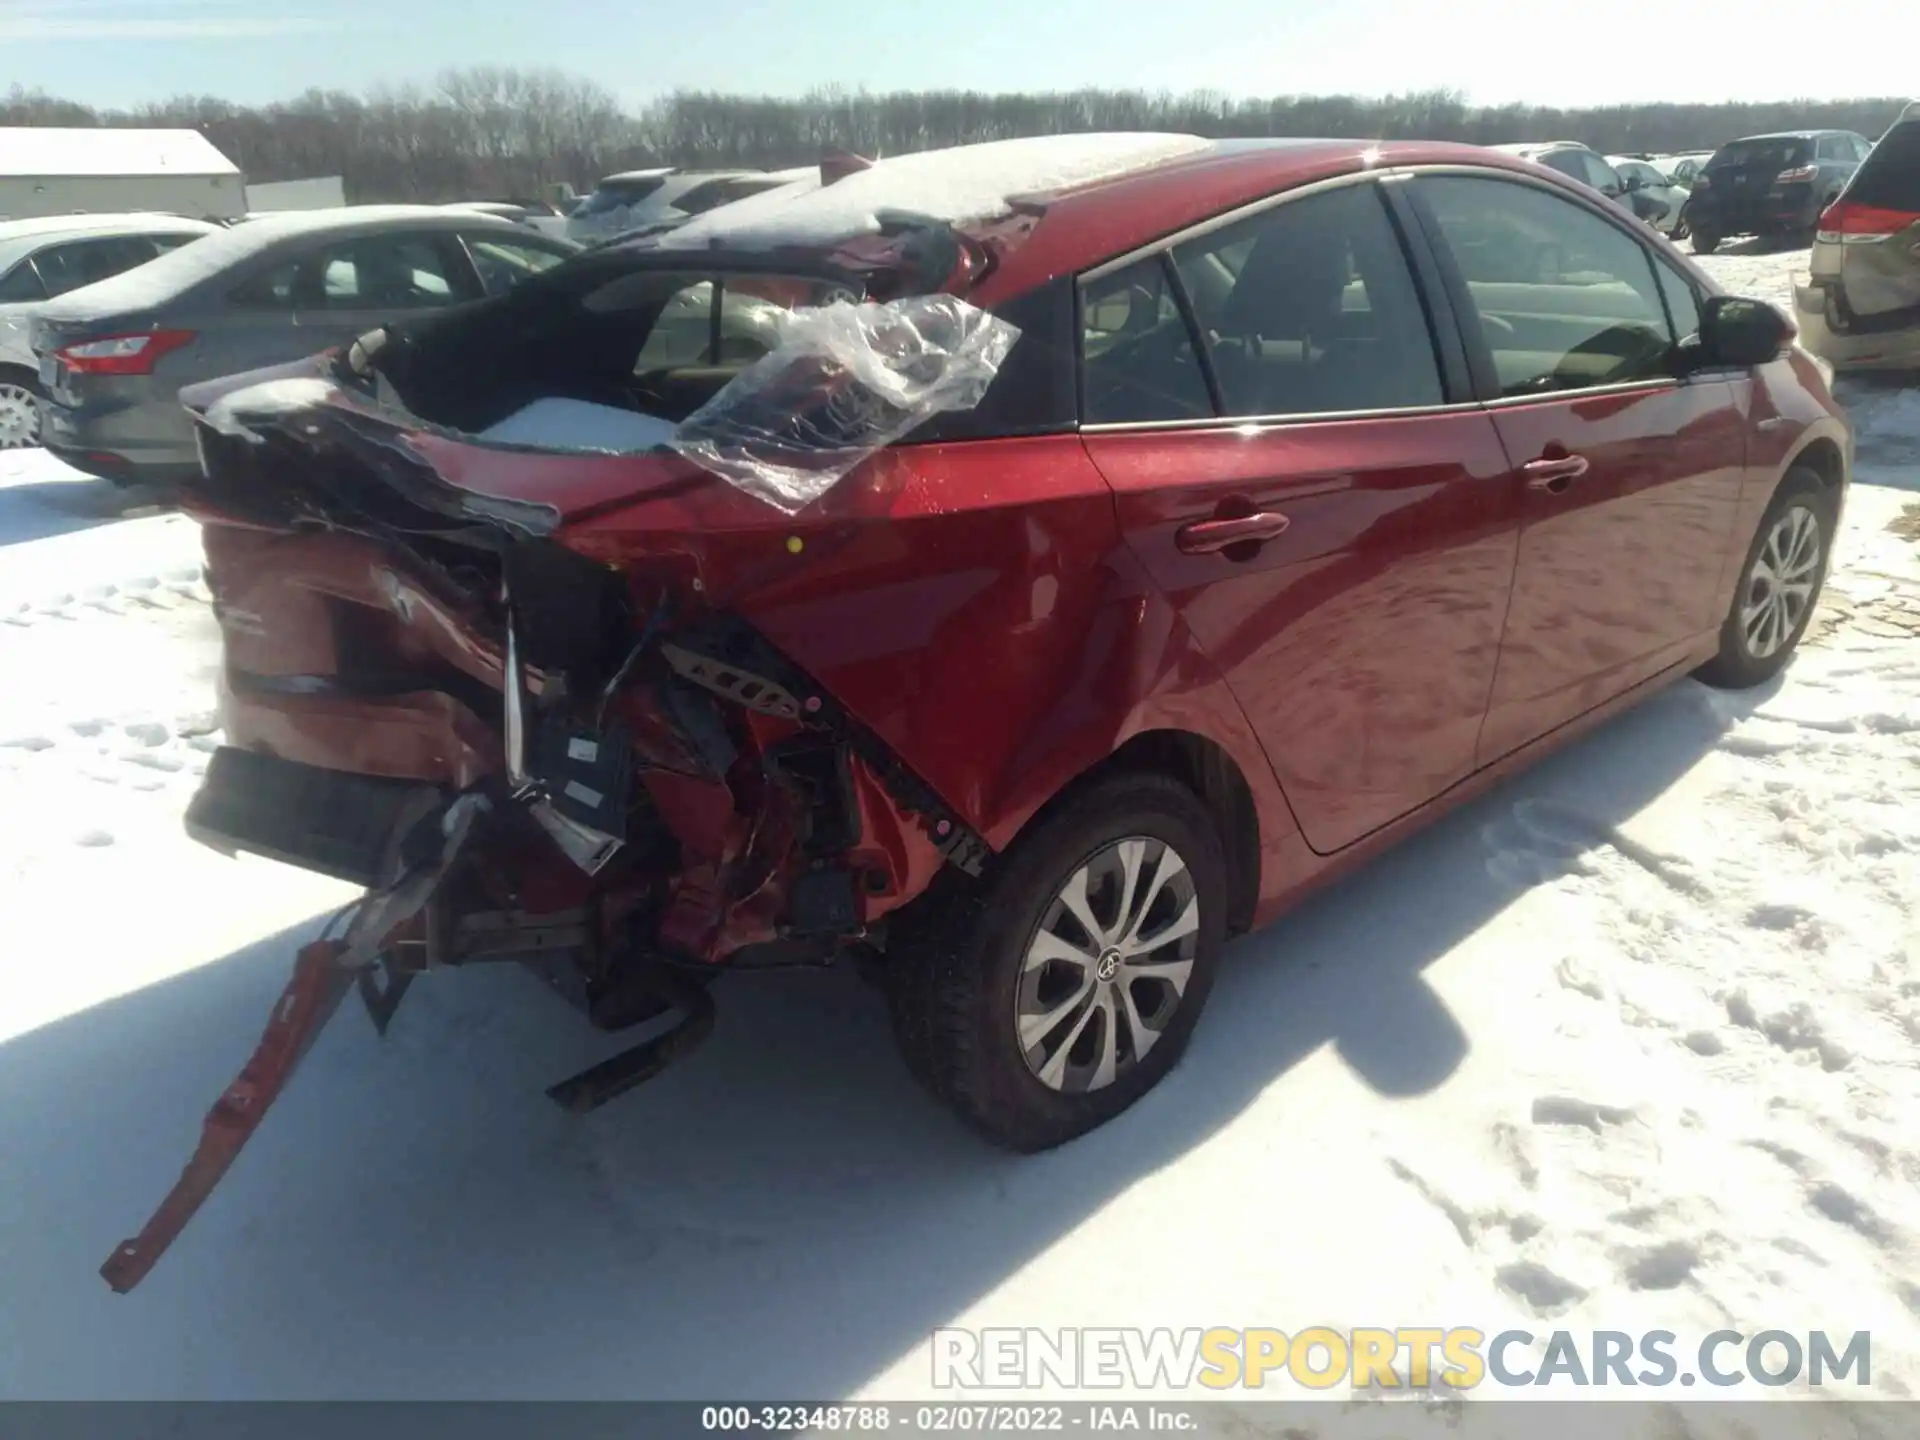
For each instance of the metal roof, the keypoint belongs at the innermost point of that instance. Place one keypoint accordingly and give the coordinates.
(43, 152)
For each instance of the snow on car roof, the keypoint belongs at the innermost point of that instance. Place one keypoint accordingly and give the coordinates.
(39, 151)
(967, 182)
(178, 271)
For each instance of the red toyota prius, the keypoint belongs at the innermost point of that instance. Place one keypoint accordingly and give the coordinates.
(1018, 569)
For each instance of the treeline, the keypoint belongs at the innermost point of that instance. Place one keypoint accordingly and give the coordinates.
(495, 132)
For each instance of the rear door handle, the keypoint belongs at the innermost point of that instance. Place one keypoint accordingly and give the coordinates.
(1205, 537)
(1556, 474)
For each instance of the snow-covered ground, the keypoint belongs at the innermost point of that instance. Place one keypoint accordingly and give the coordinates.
(1633, 1043)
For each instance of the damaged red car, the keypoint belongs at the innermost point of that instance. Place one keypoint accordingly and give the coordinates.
(1018, 570)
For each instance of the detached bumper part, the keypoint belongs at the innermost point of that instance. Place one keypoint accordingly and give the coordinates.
(323, 973)
(320, 982)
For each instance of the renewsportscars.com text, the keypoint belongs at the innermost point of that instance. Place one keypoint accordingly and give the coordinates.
(1460, 1358)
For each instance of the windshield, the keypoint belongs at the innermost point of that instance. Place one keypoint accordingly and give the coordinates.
(618, 194)
(1781, 154)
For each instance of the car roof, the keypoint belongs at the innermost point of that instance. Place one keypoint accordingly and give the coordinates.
(1536, 147)
(51, 225)
(1787, 135)
(164, 280)
(1087, 224)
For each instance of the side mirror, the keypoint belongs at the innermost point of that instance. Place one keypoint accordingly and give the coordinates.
(1738, 332)
(1631, 183)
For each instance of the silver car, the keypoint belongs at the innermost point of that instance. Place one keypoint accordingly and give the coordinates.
(113, 357)
(1859, 308)
(626, 202)
(44, 258)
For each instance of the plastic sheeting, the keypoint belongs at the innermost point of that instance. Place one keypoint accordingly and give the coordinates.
(844, 381)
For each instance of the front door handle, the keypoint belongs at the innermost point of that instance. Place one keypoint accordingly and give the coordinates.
(1206, 537)
(1556, 474)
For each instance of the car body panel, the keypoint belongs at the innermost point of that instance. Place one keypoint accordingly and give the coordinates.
(1610, 575)
(1362, 640)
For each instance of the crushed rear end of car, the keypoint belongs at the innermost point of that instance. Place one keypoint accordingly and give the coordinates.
(499, 678)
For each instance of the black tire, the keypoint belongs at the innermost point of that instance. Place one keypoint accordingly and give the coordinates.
(1738, 666)
(956, 965)
(13, 378)
(1705, 242)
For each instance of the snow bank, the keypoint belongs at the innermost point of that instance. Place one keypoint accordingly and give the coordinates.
(967, 182)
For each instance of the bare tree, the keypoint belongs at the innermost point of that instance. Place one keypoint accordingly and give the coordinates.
(499, 132)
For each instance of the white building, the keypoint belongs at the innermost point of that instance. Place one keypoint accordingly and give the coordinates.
(327, 192)
(49, 171)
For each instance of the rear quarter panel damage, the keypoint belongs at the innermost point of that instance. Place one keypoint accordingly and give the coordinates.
(973, 605)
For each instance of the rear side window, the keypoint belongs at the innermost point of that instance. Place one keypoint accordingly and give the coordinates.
(1136, 354)
(22, 282)
(1321, 317)
(1890, 177)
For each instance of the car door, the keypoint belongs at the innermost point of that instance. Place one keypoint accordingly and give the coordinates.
(1298, 466)
(310, 296)
(1632, 472)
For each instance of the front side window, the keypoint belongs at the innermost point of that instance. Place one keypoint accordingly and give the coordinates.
(384, 272)
(1320, 316)
(1564, 299)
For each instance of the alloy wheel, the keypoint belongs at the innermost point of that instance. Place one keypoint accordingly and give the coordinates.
(19, 417)
(1107, 967)
(1780, 584)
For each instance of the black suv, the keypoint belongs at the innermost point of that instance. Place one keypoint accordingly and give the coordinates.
(1771, 185)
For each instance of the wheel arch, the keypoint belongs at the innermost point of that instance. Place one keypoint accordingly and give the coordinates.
(1206, 768)
(1823, 456)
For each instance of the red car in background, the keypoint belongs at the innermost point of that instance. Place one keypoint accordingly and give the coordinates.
(1134, 554)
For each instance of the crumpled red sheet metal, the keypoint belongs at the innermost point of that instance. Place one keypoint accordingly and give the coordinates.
(320, 982)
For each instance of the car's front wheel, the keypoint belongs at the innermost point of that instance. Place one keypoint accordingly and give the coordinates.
(1780, 584)
(1046, 1000)
(19, 410)
(1705, 242)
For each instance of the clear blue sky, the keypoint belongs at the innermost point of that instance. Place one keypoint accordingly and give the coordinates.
(116, 52)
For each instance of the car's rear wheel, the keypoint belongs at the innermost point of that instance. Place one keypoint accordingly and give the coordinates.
(1705, 242)
(1780, 583)
(20, 397)
(1047, 1000)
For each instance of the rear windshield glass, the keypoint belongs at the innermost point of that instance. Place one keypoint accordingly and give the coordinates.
(715, 193)
(1782, 154)
(1890, 178)
(618, 194)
